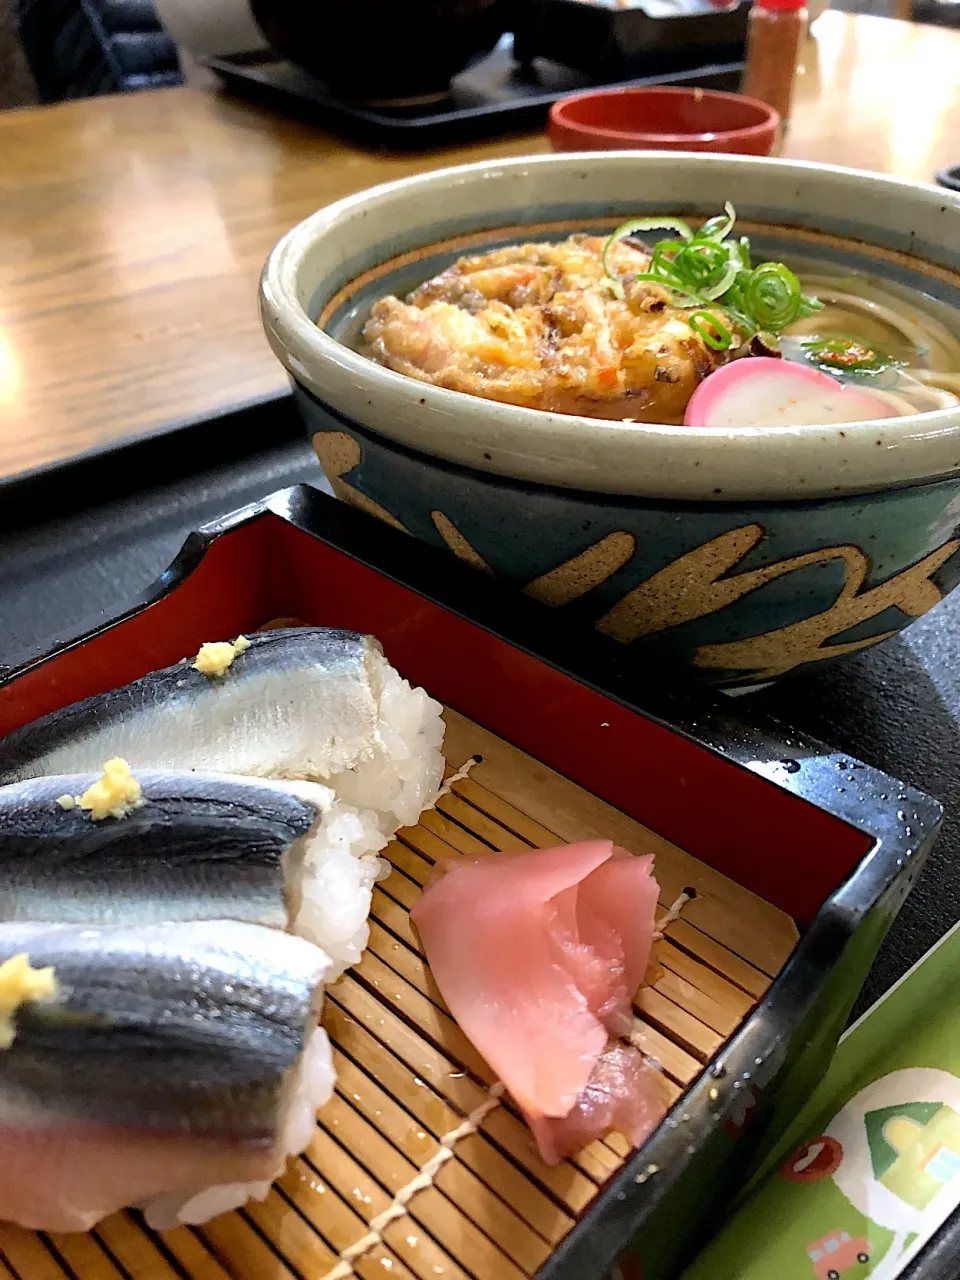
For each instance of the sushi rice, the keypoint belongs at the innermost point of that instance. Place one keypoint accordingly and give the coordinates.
(403, 776)
(334, 888)
(311, 1088)
(383, 793)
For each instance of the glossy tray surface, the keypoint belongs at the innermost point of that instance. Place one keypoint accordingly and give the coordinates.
(830, 842)
(79, 541)
(492, 97)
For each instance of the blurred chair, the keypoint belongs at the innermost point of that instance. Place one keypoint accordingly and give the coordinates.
(16, 83)
(81, 48)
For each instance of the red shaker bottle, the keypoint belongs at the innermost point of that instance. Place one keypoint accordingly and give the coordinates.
(775, 34)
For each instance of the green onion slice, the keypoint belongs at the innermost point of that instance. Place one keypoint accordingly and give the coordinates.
(719, 228)
(701, 264)
(705, 267)
(681, 297)
(664, 253)
(642, 224)
(772, 295)
(726, 280)
(712, 330)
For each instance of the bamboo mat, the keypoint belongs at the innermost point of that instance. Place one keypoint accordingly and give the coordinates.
(407, 1076)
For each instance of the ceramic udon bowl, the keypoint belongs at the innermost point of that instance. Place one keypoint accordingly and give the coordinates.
(744, 554)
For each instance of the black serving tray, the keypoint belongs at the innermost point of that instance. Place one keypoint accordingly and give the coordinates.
(940, 1257)
(80, 540)
(769, 811)
(493, 96)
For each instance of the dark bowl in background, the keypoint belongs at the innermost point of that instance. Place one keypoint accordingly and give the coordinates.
(381, 51)
(612, 42)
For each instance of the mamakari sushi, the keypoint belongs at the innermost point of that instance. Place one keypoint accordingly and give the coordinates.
(173, 1067)
(301, 702)
(188, 846)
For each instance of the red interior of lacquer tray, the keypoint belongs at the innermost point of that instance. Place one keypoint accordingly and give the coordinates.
(780, 847)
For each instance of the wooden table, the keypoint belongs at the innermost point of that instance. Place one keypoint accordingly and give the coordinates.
(132, 229)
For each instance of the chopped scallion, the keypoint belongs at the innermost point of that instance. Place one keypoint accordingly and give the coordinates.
(705, 267)
(712, 330)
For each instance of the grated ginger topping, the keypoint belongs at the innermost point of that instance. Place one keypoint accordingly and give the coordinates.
(20, 983)
(112, 796)
(216, 657)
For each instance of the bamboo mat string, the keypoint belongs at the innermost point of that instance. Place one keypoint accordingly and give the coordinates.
(673, 915)
(397, 1208)
(462, 772)
(424, 1179)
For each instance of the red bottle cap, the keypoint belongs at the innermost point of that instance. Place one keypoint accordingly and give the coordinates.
(780, 5)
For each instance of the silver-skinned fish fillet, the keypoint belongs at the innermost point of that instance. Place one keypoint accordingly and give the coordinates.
(199, 847)
(302, 702)
(177, 1064)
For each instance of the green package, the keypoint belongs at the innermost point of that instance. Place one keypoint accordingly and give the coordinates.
(870, 1168)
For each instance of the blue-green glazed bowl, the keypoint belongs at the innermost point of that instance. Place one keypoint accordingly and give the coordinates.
(740, 554)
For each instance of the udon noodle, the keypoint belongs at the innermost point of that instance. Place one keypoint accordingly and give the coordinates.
(923, 373)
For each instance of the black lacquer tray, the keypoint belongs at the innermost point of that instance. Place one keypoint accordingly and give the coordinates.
(492, 97)
(80, 540)
(769, 825)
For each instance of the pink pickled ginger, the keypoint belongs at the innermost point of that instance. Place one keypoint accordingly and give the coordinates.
(624, 1092)
(538, 956)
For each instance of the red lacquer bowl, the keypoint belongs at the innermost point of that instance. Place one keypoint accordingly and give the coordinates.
(678, 119)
